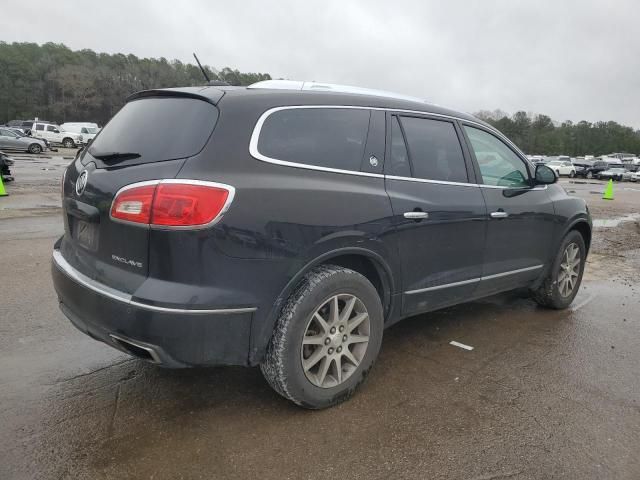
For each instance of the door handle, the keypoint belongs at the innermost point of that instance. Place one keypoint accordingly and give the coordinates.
(416, 215)
(499, 214)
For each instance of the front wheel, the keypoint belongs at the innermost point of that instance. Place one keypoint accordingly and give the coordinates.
(572, 174)
(562, 283)
(327, 338)
(589, 175)
(68, 143)
(35, 148)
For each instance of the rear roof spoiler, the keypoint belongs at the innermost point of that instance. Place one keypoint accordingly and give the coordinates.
(208, 94)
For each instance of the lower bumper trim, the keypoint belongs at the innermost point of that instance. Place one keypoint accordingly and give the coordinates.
(81, 279)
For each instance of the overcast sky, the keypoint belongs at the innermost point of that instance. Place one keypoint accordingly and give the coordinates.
(570, 59)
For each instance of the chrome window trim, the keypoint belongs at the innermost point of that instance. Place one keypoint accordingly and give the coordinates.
(473, 280)
(439, 182)
(216, 219)
(255, 136)
(97, 287)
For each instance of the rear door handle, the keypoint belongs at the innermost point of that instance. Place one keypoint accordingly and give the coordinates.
(499, 214)
(416, 215)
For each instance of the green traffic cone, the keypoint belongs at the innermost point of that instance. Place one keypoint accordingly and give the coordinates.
(3, 192)
(608, 192)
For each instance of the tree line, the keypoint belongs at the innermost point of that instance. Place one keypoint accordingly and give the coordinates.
(539, 135)
(58, 84)
(55, 83)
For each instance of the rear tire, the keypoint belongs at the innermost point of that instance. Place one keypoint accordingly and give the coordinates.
(572, 174)
(318, 363)
(562, 282)
(589, 175)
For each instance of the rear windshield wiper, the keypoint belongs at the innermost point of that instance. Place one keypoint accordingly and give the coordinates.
(114, 155)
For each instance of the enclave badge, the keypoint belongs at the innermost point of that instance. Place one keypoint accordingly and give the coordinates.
(81, 183)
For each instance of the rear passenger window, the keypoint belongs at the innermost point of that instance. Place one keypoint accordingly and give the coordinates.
(324, 137)
(434, 150)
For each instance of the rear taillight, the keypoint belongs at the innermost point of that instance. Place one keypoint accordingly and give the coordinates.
(172, 203)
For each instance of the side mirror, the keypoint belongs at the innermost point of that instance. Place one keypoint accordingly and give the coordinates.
(545, 175)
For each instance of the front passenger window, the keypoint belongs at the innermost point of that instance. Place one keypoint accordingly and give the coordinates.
(499, 165)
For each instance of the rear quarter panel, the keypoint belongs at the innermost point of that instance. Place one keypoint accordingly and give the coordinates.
(282, 218)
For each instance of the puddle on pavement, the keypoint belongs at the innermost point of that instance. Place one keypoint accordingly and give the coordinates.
(614, 222)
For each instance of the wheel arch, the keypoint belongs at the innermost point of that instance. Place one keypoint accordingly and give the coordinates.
(368, 263)
(582, 225)
(364, 261)
(584, 228)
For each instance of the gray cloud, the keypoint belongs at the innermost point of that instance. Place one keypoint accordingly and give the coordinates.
(571, 59)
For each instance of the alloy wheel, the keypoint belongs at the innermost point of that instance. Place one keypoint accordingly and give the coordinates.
(335, 340)
(569, 270)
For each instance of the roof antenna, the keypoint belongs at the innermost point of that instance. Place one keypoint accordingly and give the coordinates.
(202, 69)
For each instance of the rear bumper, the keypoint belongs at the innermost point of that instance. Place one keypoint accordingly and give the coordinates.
(172, 337)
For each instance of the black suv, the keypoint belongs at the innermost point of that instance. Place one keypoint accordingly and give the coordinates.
(287, 228)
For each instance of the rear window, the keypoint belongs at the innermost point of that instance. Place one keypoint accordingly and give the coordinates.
(158, 129)
(324, 137)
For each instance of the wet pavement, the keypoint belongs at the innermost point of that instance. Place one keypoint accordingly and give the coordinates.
(543, 394)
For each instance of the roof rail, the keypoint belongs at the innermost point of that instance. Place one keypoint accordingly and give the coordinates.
(329, 87)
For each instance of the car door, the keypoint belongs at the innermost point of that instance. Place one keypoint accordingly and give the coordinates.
(520, 222)
(38, 130)
(53, 134)
(4, 139)
(439, 212)
(10, 140)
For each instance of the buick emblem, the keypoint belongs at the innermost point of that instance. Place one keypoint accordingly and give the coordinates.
(81, 183)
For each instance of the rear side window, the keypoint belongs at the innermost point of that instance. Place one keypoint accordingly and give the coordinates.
(323, 137)
(40, 127)
(158, 129)
(434, 150)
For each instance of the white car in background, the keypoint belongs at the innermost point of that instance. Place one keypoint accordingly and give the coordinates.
(563, 167)
(87, 130)
(56, 134)
(615, 172)
(634, 176)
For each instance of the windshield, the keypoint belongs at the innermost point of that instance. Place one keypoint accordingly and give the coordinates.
(155, 129)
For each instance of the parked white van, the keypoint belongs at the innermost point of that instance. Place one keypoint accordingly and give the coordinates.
(86, 129)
